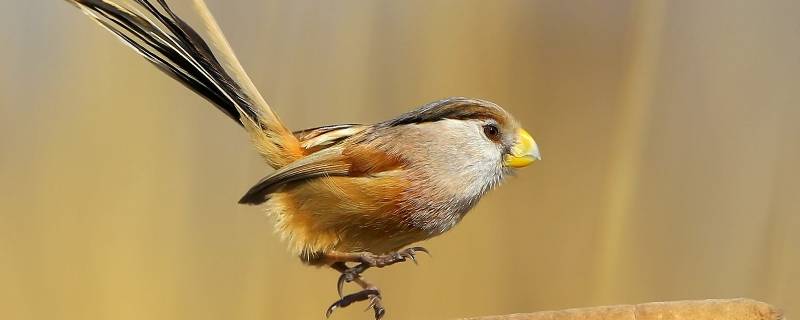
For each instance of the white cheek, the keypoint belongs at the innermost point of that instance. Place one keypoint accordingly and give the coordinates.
(480, 165)
(488, 152)
(460, 165)
(473, 163)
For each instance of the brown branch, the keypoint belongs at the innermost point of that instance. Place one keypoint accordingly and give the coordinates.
(732, 309)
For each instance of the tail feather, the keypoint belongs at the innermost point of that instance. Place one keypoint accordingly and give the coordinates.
(168, 42)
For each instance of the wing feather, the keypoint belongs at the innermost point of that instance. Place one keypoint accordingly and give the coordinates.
(325, 163)
(342, 160)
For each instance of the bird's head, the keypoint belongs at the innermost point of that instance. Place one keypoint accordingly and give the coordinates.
(517, 147)
(479, 129)
(455, 150)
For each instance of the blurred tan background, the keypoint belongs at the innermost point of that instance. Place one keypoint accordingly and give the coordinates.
(669, 131)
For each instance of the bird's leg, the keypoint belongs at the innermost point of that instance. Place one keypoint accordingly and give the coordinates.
(338, 261)
(366, 260)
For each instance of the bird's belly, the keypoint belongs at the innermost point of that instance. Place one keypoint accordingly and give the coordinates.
(346, 214)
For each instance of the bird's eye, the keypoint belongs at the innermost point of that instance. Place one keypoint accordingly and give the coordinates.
(491, 131)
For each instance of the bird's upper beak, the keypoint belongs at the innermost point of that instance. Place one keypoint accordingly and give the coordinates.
(524, 152)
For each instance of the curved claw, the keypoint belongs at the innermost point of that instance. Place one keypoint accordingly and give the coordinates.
(375, 303)
(411, 253)
(340, 284)
(349, 275)
(372, 303)
(379, 312)
(329, 312)
(412, 257)
(421, 249)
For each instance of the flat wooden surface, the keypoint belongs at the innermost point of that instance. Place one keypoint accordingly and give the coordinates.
(718, 309)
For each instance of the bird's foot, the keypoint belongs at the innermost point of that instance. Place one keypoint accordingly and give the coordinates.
(372, 294)
(388, 259)
(369, 260)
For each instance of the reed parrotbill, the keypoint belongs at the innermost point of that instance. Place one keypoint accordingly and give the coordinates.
(346, 196)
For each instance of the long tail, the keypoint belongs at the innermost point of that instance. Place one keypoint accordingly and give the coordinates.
(154, 31)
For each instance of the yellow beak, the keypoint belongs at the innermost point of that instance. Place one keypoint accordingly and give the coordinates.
(524, 152)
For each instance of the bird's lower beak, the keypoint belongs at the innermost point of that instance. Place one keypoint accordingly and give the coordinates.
(524, 152)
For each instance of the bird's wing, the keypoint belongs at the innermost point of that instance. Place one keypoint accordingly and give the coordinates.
(325, 163)
(341, 159)
(207, 66)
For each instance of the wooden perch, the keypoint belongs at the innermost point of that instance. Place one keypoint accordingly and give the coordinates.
(732, 309)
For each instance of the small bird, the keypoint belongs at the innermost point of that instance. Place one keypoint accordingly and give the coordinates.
(349, 196)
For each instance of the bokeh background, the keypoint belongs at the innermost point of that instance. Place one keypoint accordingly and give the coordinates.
(669, 131)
